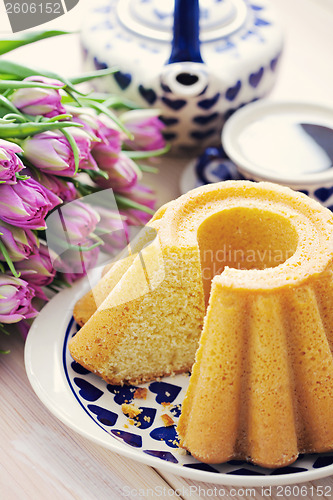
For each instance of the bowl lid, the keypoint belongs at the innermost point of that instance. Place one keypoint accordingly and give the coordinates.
(154, 19)
(286, 142)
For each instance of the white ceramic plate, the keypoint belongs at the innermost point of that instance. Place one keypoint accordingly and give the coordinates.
(88, 405)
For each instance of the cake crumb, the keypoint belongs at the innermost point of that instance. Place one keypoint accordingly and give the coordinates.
(146, 418)
(167, 420)
(130, 410)
(181, 451)
(167, 394)
(165, 404)
(125, 426)
(140, 393)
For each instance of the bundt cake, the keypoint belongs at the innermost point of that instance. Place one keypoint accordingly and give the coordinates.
(258, 257)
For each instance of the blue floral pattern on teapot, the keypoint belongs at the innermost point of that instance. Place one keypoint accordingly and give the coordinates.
(196, 62)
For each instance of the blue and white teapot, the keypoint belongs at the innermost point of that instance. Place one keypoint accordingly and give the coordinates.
(196, 62)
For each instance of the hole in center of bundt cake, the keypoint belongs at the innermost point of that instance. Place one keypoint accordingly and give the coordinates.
(244, 238)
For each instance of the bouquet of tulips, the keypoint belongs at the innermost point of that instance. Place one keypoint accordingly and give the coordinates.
(58, 144)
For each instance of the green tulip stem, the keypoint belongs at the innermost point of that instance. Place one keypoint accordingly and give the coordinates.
(101, 108)
(9, 261)
(96, 173)
(148, 169)
(14, 117)
(90, 76)
(16, 84)
(86, 249)
(59, 117)
(23, 130)
(75, 149)
(9, 105)
(128, 203)
(141, 155)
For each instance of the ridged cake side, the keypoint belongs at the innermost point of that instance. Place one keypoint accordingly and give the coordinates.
(262, 384)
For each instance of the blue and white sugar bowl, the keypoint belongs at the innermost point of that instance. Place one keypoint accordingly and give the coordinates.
(196, 62)
(290, 143)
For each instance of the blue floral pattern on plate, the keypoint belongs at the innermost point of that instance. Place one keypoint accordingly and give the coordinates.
(102, 402)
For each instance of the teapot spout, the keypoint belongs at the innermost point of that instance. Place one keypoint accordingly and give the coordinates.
(186, 41)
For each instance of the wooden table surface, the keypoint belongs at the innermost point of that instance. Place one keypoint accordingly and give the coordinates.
(40, 458)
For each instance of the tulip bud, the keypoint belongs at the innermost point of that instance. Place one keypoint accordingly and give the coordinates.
(123, 173)
(146, 129)
(65, 190)
(141, 194)
(9, 162)
(71, 225)
(51, 152)
(39, 101)
(136, 217)
(26, 204)
(75, 263)
(38, 269)
(112, 229)
(15, 299)
(19, 243)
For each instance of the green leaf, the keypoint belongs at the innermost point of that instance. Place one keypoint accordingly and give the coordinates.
(15, 41)
(103, 109)
(15, 117)
(9, 105)
(20, 72)
(22, 130)
(116, 102)
(141, 155)
(8, 260)
(75, 149)
(93, 174)
(16, 84)
(4, 121)
(90, 76)
(124, 202)
(148, 169)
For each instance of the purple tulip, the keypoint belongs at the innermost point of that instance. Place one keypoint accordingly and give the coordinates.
(19, 243)
(123, 174)
(51, 152)
(15, 299)
(71, 224)
(38, 269)
(26, 204)
(75, 263)
(146, 128)
(136, 217)
(9, 162)
(112, 229)
(88, 118)
(39, 101)
(141, 194)
(108, 147)
(108, 139)
(65, 190)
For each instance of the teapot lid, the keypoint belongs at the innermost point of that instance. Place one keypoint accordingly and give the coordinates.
(154, 18)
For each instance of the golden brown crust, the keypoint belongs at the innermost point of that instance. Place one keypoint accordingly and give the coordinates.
(138, 380)
(167, 420)
(140, 393)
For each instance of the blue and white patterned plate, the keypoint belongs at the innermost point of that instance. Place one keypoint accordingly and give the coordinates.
(92, 407)
(215, 166)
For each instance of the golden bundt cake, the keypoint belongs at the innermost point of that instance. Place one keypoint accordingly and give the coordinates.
(260, 257)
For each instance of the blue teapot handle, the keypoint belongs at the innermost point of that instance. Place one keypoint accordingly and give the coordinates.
(186, 42)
